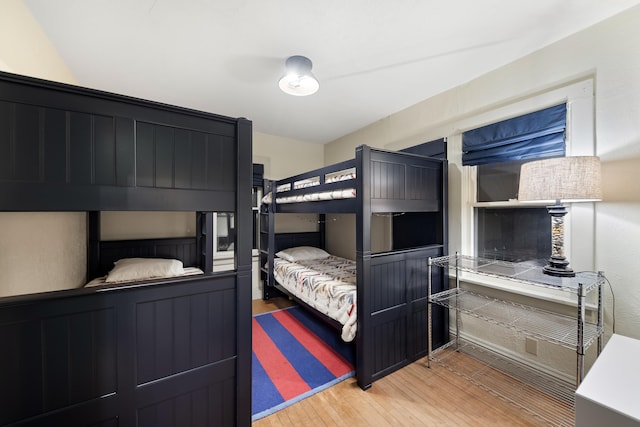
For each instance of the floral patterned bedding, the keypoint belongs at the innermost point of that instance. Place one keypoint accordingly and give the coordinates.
(328, 285)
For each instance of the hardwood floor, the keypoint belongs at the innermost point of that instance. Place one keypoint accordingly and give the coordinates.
(259, 306)
(417, 395)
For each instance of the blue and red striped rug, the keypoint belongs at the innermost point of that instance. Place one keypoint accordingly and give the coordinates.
(294, 356)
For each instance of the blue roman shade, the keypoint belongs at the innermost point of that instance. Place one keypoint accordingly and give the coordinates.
(531, 136)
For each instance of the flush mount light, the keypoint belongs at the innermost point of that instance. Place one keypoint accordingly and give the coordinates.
(298, 79)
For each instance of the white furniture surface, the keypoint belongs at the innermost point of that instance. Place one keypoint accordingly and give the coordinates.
(610, 392)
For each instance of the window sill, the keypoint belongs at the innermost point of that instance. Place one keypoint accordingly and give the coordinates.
(547, 294)
(513, 203)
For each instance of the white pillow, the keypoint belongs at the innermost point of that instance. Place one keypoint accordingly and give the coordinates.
(302, 253)
(129, 269)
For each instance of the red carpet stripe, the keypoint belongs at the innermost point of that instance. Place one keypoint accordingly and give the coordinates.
(284, 376)
(325, 354)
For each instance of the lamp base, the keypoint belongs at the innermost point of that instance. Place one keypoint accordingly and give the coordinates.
(559, 267)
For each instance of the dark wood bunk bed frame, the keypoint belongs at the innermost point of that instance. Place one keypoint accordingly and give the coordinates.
(391, 286)
(165, 352)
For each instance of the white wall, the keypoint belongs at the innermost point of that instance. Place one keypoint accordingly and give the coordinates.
(283, 157)
(41, 251)
(24, 49)
(606, 54)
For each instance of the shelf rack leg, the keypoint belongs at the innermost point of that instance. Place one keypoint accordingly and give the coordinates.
(429, 325)
(600, 311)
(457, 304)
(580, 337)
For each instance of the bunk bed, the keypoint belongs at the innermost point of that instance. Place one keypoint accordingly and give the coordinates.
(390, 291)
(157, 351)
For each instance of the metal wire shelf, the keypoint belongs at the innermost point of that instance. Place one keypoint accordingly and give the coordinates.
(522, 272)
(530, 321)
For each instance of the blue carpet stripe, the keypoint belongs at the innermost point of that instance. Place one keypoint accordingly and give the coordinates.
(263, 387)
(308, 367)
(325, 333)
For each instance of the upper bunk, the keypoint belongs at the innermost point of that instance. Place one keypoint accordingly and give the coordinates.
(385, 181)
(68, 148)
(65, 148)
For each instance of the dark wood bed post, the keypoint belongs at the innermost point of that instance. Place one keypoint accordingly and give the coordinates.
(243, 254)
(204, 242)
(364, 345)
(268, 244)
(93, 244)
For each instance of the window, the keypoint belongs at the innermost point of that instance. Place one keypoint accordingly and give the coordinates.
(508, 232)
(513, 234)
(475, 208)
(498, 181)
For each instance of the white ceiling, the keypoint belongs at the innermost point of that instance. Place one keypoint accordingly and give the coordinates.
(372, 57)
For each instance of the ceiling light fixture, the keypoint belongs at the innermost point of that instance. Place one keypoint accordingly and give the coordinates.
(298, 79)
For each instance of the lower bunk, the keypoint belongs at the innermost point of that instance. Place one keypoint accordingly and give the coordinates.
(386, 318)
(125, 353)
(324, 282)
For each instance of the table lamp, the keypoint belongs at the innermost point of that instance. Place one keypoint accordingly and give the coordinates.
(560, 179)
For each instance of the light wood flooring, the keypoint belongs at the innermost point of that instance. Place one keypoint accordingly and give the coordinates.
(417, 395)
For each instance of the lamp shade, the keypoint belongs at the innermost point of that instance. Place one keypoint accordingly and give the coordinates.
(570, 179)
(298, 79)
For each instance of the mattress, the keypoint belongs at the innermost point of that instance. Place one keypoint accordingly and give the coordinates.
(348, 193)
(188, 271)
(345, 175)
(327, 285)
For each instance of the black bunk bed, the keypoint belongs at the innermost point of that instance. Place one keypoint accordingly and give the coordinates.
(160, 352)
(391, 286)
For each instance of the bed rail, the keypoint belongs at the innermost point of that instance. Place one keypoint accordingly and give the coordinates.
(387, 180)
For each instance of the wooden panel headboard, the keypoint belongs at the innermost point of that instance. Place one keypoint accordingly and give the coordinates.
(289, 240)
(110, 251)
